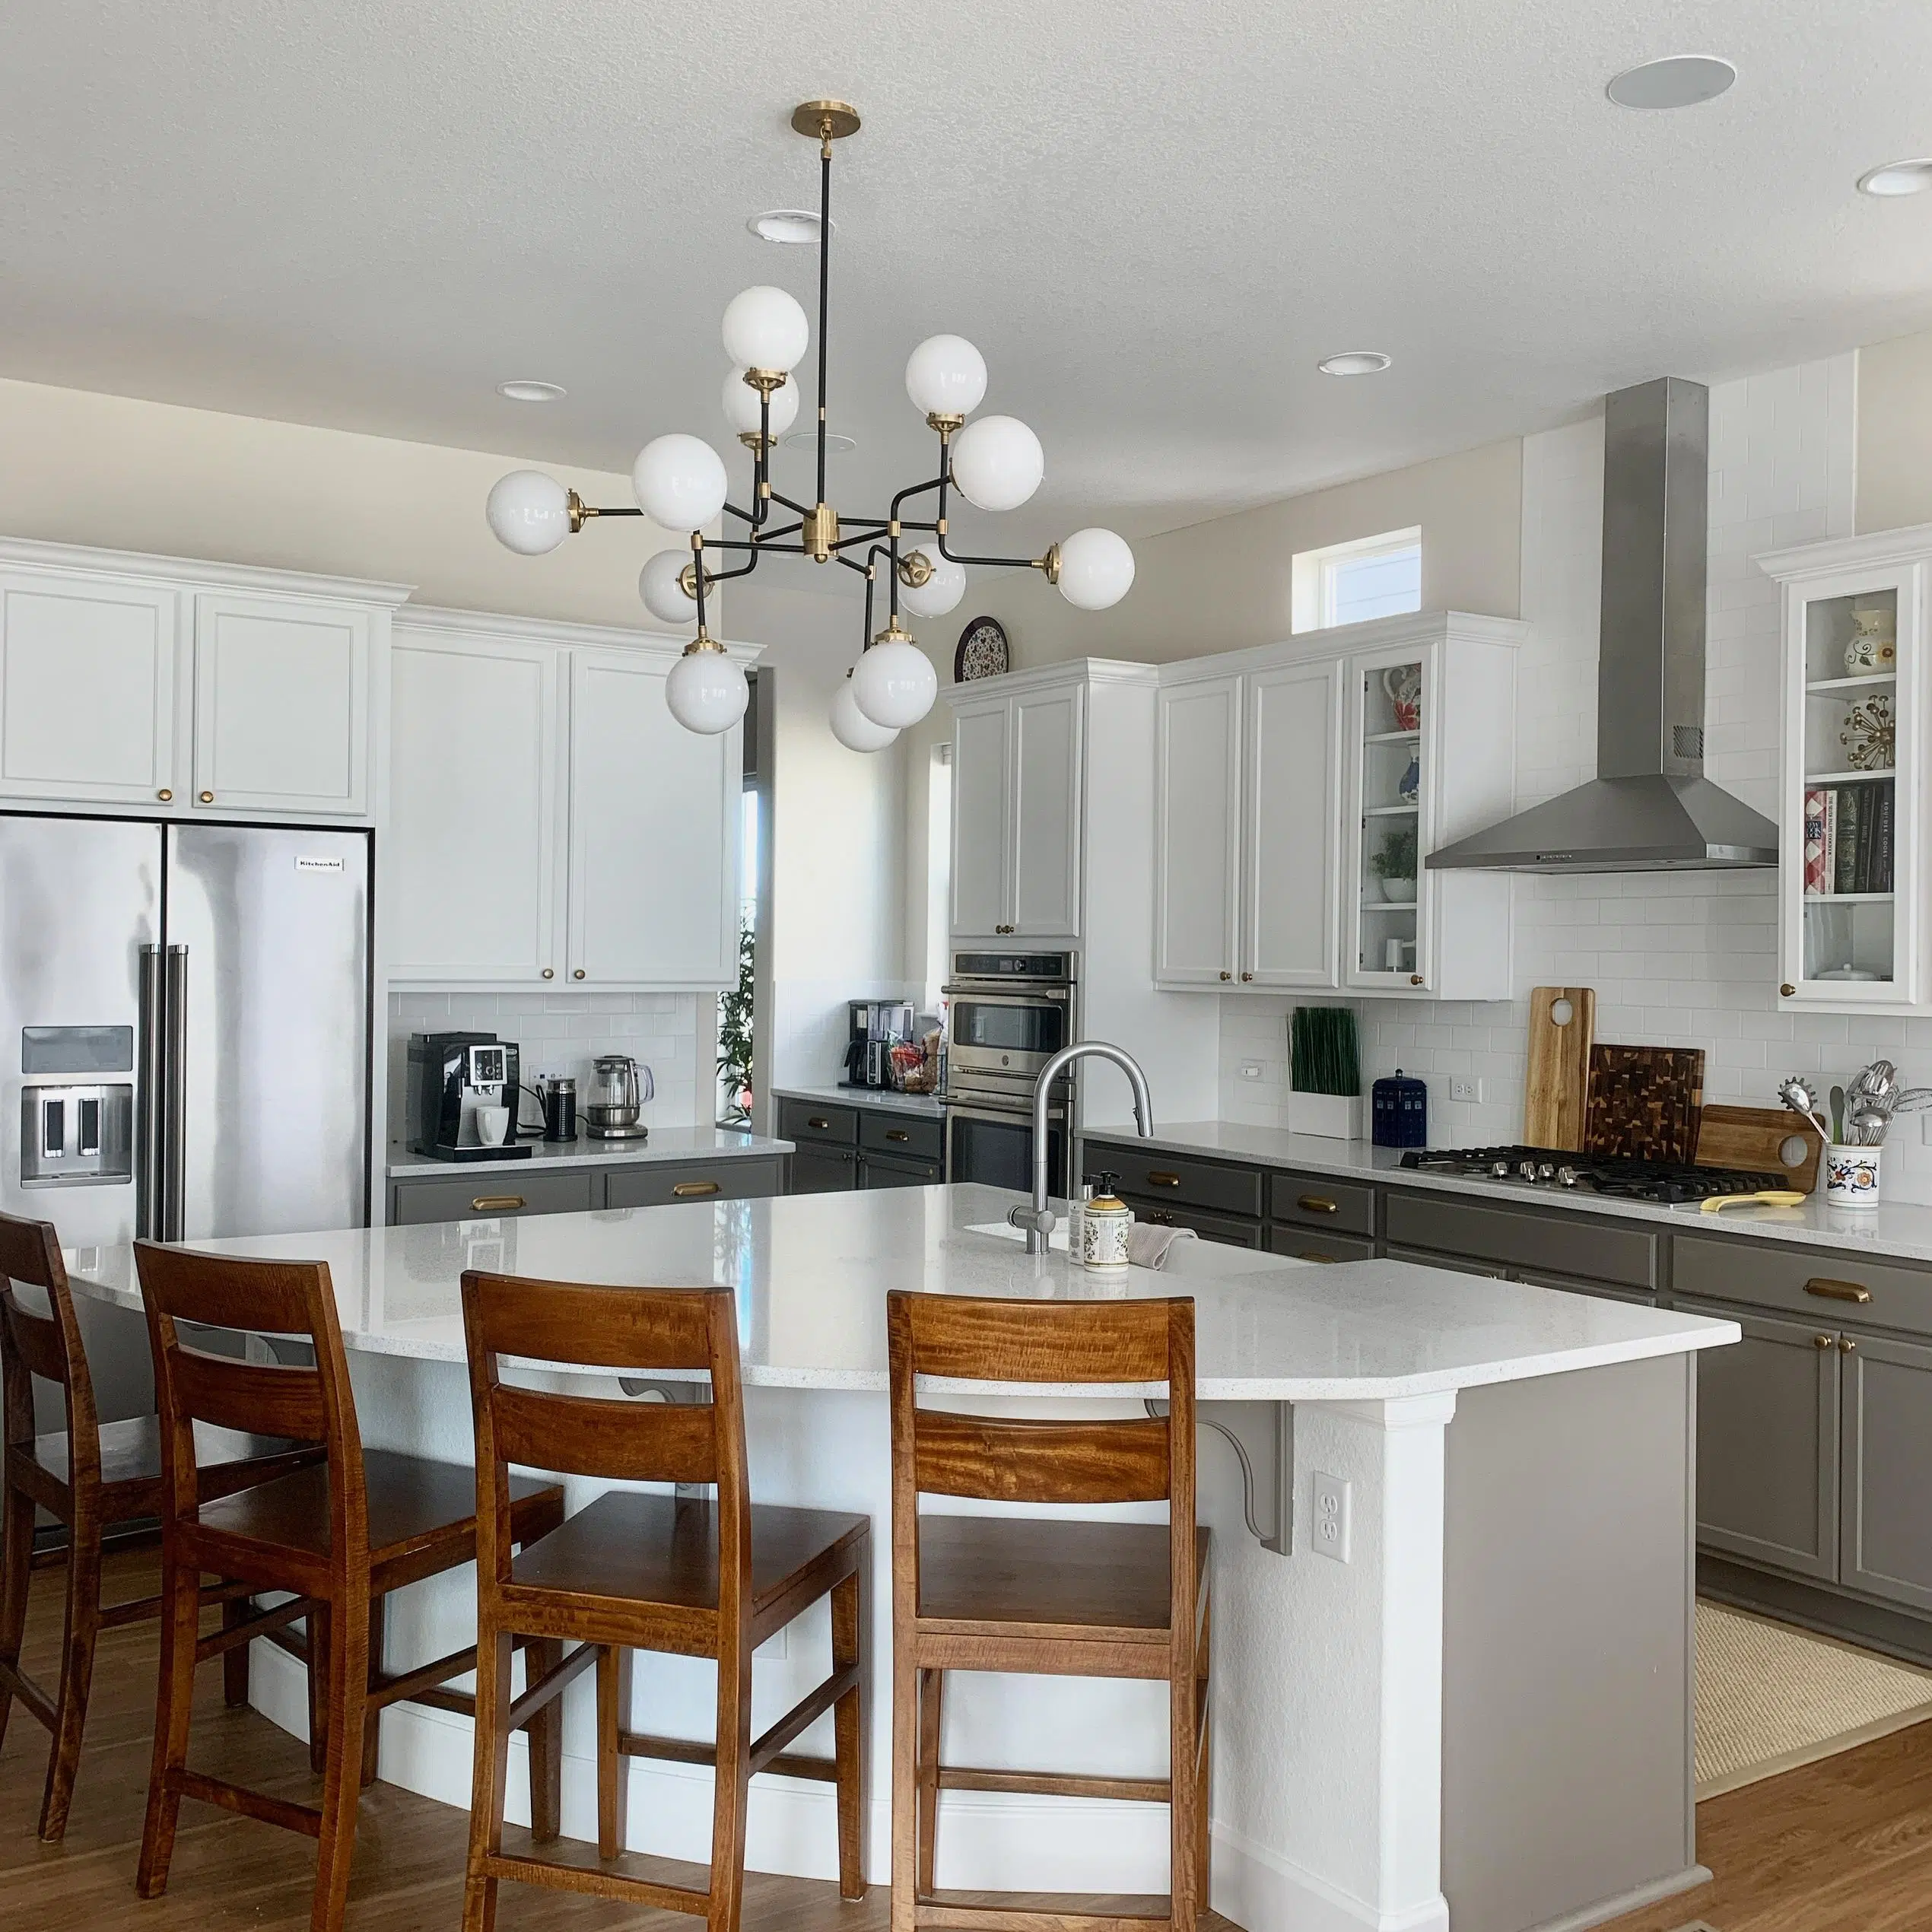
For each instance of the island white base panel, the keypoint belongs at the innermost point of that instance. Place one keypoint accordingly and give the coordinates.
(1328, 1801)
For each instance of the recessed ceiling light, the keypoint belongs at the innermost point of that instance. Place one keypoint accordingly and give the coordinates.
(808, 439)
(1678, 80)
(1898, 178)
(533, 392)
(1354, 362)
(795, 228)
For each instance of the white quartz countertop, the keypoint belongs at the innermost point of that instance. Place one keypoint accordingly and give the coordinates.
(812, 1272)
(1901, 1228)
(928, 1107)
(665, 1144)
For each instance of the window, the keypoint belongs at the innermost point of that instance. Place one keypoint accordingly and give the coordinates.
(1350, 583)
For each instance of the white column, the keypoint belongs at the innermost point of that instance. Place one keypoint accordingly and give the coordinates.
(1327, 1808)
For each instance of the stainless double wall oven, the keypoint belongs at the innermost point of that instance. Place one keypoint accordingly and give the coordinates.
(1009, 1014)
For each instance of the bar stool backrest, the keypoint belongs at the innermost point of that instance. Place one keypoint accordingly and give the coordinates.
(48, 1345)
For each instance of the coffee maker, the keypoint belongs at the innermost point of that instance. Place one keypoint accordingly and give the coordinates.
(451, 1074)
(876, 1027)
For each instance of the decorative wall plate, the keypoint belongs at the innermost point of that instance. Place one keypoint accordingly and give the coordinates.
(983, 651)
(1869, 735)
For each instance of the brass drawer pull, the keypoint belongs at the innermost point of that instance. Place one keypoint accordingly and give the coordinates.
(1836, 1291)
(1227, 976)
(497, 1203)
(1846, 1345)
(818, 1120)
(207, 798)
(684, 1189)
(897, 1133)
(1318, 1204)
(165, 795)
(1821, 1341)
(1163, 1180)
(1309, 1254)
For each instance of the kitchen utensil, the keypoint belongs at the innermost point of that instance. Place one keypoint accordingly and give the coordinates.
(616, 1097)
(1771, 1197)
(1754, 1140)
(1798, 1097)
(1557, 1093)
(1837, 1113)
(1868, 1126)
(1644, 1101)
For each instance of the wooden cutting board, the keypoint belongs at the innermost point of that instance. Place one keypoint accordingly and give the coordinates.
(1752, 1138)
(1556, 1096)
(1644, 1101)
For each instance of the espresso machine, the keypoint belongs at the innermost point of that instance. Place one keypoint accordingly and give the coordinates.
(618, 1089)
(451, 1074)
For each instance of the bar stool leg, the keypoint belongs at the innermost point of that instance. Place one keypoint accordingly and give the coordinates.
(317, 1625)
(542, 1655)
(613, 1768)
(732, 1785)
(848, 1727)
(16, 1560)
(372, 1728)
(341, 1791)
(905, 1782)
(174, 1697)
(76, 1670)
(492, 1773)
(1183, 1823)
(931, 1696)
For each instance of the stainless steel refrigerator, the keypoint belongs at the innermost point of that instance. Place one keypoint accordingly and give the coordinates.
(184, 1041)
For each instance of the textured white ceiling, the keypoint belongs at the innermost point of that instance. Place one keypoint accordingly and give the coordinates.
(1153, 219)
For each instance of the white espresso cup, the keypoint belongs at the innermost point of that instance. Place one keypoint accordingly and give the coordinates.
(492, 1125)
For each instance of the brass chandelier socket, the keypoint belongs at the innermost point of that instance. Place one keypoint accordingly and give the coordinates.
(892, 634)
(1050, 563)
(765, 380)
(756, 443)
(688, 580)
(818, 532)
(825, 120)
(579, 510)
(704, 641)
(917, 568)
(946, 425)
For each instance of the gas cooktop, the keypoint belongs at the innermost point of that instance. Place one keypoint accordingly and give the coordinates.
(1667, 1181)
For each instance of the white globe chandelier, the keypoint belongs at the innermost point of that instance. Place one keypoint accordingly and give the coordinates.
(995, 462)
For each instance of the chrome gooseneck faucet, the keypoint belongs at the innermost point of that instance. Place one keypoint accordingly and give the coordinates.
(1038, 1220)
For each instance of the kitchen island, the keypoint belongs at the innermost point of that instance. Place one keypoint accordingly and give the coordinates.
(1467, 1701)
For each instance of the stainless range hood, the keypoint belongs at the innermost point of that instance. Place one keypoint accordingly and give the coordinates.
(1649, 808)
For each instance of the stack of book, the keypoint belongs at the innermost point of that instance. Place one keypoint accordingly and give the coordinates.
(1847, 839)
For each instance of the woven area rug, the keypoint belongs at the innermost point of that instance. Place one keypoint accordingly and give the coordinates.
(1771, 1698)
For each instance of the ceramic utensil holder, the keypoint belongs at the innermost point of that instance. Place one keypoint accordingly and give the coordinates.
(1852, 1175)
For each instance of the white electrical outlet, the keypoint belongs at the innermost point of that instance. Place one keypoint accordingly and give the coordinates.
(1328, 1523)
(1252, 1072)
(1465, 1089)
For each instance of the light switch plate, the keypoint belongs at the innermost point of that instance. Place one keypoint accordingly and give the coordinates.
(1328, 1521)
(1251, 1071)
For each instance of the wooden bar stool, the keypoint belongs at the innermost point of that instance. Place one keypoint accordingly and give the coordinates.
(339, 1534)
(93, 1476)
(696, 1577)
(1052, 1596)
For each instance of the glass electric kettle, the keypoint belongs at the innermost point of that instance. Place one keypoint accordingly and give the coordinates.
(618, 1089)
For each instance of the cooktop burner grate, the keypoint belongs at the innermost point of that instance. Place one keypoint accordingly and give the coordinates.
(1667, 1181)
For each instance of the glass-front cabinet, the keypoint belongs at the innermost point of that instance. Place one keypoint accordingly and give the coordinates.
(1851, 883)
(1387, 939)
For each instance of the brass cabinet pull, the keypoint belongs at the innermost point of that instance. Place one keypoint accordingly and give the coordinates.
(1248, 976)
(207, 798)
(578, 974)
(1318, 1204)
(897, 1133)
(818, 1120)
(550, 972)
(166, 796)
(1227, 976)
(1163, 1181)
(1836, 1291)
(1414, 979)
(1309, 1254)
(1788, 990)
(685, 1189)
(1846, 1345)
(1821, 1341)
(497, 1203)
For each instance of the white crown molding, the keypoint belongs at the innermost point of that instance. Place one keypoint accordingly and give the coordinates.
(79, 560)
(1045, 677)
(548, 630)
(1347, 640)
(1906, 545)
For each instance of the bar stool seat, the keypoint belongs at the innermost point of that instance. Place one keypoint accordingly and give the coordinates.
(1099, 1582)
(419, 1510)
(627, 1548)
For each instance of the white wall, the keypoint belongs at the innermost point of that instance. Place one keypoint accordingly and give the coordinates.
(1895, 432)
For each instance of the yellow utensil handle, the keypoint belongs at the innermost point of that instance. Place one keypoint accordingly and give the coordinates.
(1771, 1197)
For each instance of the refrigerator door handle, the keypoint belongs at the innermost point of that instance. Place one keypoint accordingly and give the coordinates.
(148, 1181)
(174, 1099)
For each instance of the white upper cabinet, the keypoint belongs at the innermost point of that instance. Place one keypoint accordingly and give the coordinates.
(281, 705)
(150, 683)
(1017, 751)
(473, 887)
(1301, 785)
(1852, 893)
(1198, 811)
(550, 822)
(654, 829)
(90, 677)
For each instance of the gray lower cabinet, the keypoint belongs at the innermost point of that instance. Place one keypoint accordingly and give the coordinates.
(493, 1195)
(1885, 1517)
(818, 1170)
(664, 1185)
(875, 1170)
(1318, 1244)
(838, 1148)
(1210, 1227)
(1768, 1439)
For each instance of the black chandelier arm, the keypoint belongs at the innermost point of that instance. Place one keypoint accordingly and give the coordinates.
(873, 529)
(804, 509)
(586, 511)
(743, 569)
(769, 539)
(824, 290)
(743, 516)
(915, 489)
(996, 563)
(851, 563)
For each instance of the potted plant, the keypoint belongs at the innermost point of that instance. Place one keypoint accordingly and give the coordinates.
(1393, 865)
(1324, 1073)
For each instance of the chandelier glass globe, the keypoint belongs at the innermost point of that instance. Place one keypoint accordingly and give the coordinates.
(679, 481)
(893, 683)
(764, 328)
(997, 462)
(1096, 569)
(741, 405)
(665, 597)
(945, 376)
(529, 512)
(706, 691)
(941, 592)
(850, 725)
